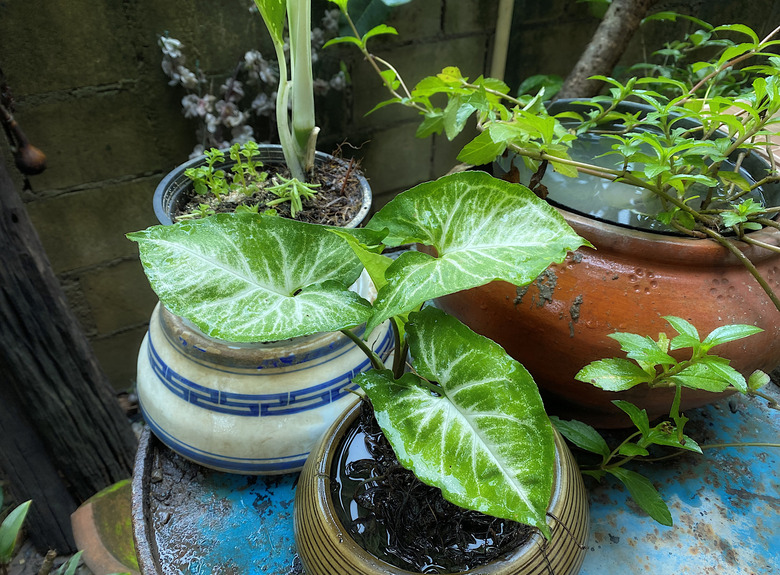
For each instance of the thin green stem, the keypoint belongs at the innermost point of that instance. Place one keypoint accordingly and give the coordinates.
(740, 444)
(376, 361)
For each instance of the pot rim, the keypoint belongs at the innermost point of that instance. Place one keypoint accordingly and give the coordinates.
(323, 455)
(174, 183)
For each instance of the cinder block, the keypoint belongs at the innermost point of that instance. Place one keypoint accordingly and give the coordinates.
(84, 229)
(51, 45)
(118, 356)
(395, 159)
(97, 137)
(118, 295)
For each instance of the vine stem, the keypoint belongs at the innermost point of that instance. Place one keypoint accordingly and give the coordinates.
(376, 361)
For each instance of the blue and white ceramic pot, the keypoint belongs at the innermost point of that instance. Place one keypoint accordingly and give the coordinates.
(247, 408)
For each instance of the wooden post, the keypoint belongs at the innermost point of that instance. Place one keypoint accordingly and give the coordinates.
(63, 436)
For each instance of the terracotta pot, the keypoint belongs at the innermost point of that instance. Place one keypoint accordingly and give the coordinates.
(628, 283)
(175, 184)
(326, 548)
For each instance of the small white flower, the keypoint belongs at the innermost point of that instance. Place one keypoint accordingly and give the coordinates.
(321, 87)
(330, 21)
(338, 81)
(197, 151)
(233, 89)
(317, 38)
(242, 135)
(170, 46)
(229, 113)
(263, 105)
(187, 78)
(197, 107)
(211, 123)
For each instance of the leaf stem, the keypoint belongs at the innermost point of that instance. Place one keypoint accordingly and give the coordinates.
(376, 361)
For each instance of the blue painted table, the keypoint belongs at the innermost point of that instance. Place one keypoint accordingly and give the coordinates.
(725, 505)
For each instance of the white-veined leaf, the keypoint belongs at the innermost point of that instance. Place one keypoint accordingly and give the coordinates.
(249, 277)
(482, 228)
(485, 441)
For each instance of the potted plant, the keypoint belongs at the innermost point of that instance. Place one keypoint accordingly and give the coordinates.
(242, 406)
(466, 418)
(687, 144)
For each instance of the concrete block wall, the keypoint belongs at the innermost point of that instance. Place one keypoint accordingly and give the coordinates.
(90, 92)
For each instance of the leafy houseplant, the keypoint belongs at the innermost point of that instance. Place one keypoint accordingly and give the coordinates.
(466, 418)
(685, 148)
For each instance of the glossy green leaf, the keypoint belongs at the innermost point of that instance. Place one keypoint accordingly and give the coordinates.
(689, 335)
(70, 566)
(273, 13)
(481, 150)
(642, 348)
(9, 530)
(643, 492)
(727, 333)
(614, 374)
(638, 416)
(485, 440)
(248, 277)
(757, 380)
(669, 438)
(482, 229)
(582, 435)
(632, 450)
(380, 30)
(710, 373)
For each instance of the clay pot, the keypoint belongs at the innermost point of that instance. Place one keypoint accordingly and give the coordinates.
(632, 279)
(326, 548)
(175, 185)
(255, 408)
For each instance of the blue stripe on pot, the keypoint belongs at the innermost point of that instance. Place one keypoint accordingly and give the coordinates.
(260, 405)
(217, 461)
(343, 344)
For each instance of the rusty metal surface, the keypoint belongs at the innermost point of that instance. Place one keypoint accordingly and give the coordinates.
(725, 504)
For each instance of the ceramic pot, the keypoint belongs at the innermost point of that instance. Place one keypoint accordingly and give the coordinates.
(175, 185)
(254, 408)
(326, 548)
(628, 283)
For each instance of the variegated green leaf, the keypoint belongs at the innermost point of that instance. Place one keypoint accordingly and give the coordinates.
(248, 277)
(273, 13)
(485, 440)
(482, 228)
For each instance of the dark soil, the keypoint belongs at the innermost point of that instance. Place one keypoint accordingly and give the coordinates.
(337, 201)
(421, 530)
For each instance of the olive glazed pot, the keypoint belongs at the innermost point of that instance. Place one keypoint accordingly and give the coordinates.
(255, 408)
(632, 279)
(175, 185)
(326, 548)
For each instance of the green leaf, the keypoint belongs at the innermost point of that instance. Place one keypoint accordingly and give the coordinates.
(748, 31)
(250, 277)
(710, 373)
(582, 435)
(632, 450)
(689, 335)
(757, 380)
(726, 333)
(9, 530)
(482, 229)
(614, 374)
(70, 566)
(643, 492)
(729, 177)
(481, 150)
(342, 40)
(273, 13)
(342, 4)
(432, 124)
(485, 440)
(642, 348)
(638, 416)
(380, 30)
(659, 436)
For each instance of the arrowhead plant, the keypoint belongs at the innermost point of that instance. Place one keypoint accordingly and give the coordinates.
(463, 415)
